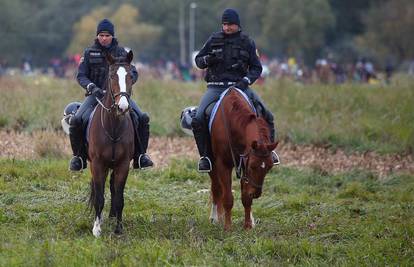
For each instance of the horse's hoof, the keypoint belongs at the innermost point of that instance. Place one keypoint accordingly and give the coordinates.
(96, 232)
(118, 230)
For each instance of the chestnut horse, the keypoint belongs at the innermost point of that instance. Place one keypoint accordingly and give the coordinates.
(240, 139)
(111, 141)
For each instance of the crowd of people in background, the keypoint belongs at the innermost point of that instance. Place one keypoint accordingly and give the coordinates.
(326, 71)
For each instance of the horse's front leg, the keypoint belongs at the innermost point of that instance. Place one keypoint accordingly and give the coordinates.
(247, 204)
(120, 174)
(216, 213)
(112, 212)
(97, 198)
(227, 197)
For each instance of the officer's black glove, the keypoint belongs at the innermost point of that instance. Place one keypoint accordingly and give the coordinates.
(95, 90)
(243, 84)
(211, 59)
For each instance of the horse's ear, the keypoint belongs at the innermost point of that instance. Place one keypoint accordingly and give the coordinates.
(272, 147)
(109, 58)
(130, 56)
(254, 144)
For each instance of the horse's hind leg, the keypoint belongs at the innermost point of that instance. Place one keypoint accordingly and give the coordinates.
(99, 174)
(120, 177)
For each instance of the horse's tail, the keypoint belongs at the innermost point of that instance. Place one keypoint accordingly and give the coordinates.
(92, 198)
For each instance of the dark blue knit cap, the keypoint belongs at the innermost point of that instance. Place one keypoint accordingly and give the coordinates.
(230, 16)
(105, 26)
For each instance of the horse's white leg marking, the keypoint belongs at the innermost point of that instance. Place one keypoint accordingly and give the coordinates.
(252, 219)
(97, 226)
(123, 102)
(214, 214)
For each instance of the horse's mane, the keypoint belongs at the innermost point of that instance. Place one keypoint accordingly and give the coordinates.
(243, 115)
(241, 112)
(263, 129)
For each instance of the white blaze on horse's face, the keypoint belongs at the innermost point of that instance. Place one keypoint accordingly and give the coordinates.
(263, 165)
(123, 101)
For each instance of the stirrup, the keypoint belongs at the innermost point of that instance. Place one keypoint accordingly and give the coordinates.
(139, 162)
(82, 165)
(209, 165)
(275, 158)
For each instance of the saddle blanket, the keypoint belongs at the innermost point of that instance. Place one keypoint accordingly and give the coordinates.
(216, 106)
(88, 126)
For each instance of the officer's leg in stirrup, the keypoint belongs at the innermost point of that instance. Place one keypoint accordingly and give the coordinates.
(141, 138)
(77, 163)
(201, 138)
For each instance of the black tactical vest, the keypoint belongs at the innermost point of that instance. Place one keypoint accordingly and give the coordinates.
(235, 54)
(98, 67)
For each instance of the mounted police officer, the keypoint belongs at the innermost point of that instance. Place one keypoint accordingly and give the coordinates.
(92, 73)
(231, 60)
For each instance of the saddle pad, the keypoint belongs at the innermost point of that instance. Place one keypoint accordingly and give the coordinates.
(216, 106)
(89, 124)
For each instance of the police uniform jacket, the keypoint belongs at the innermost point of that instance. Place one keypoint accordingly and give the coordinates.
(238, 56)
(94, 67)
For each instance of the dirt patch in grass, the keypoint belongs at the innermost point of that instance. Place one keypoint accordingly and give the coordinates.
(162, 149)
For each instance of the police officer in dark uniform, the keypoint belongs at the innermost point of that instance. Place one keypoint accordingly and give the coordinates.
(91, 76)
(231, 60)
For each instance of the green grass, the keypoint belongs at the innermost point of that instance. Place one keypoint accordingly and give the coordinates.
(306, 218)
(351, 116)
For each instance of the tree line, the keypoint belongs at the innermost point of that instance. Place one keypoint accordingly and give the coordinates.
(306, 29)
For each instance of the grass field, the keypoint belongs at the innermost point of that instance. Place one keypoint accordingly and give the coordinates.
(305, 218)
(351, 116)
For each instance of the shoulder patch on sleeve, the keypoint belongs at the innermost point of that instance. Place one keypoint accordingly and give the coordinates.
(81, 60)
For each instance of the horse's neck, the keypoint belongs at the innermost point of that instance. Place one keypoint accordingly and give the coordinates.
(243, 139)
(251, 132)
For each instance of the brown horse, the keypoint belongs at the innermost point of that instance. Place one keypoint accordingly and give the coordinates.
(111, 141)
(239, 139)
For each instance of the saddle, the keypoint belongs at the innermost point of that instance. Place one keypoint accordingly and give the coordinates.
(189, 113)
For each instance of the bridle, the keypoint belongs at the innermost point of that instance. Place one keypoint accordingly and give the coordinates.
(113, 96)
(242, 170)
(113, 137)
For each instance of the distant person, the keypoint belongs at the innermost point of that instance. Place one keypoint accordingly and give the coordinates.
(27, 65)
(231, 59)
(92, 73)
(389, 70)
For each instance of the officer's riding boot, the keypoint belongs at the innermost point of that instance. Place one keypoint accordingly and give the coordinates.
(142, 133)
(204, 164)
(275, 156)
(77, 162)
